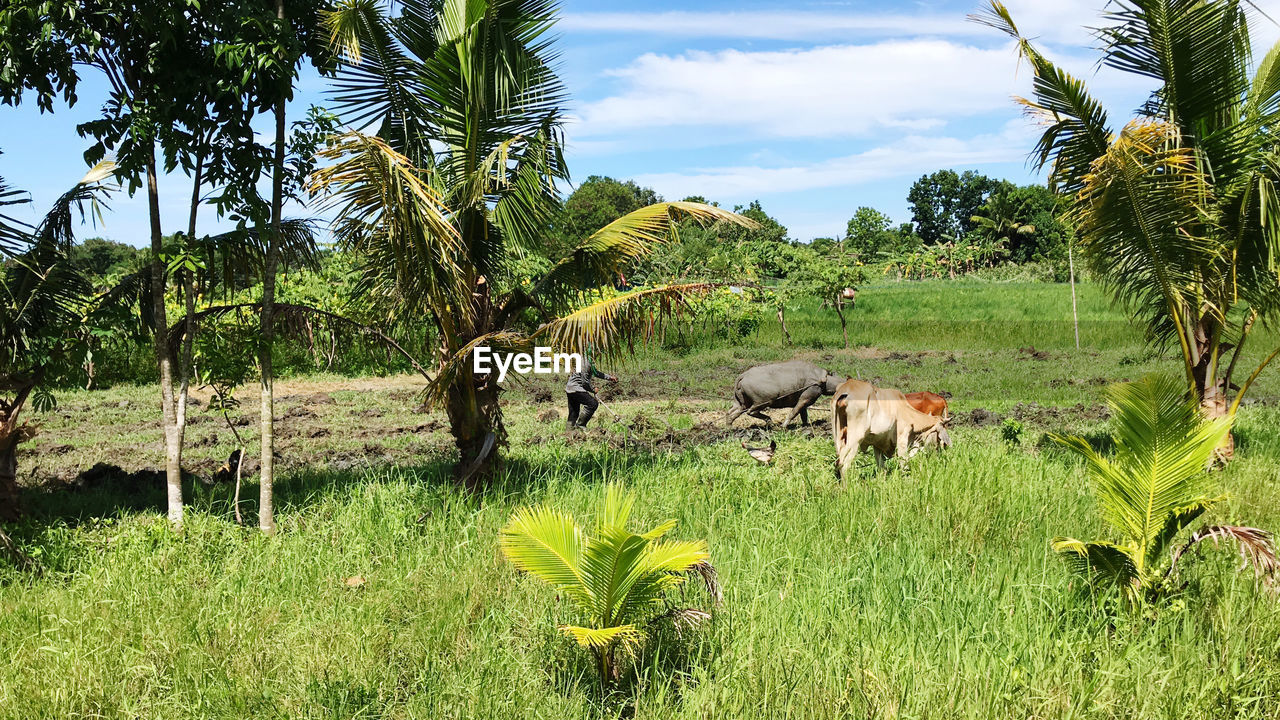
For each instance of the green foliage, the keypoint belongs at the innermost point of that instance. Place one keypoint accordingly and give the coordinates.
(826, 276)
(1025, 221)
(735, 313)
(47, 301)
(1011, 431)
(595, 203)
(616, 579)
(1155, 487)
(187, 75)
(943, 203)
(103, 260)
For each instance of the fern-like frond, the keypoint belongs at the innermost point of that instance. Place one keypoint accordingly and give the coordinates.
(1256, 547)
(1157, 482)
(549, 545)
(385, 209)
(460, 363)
(599, 639)
(1075, 123)
(615, 323)
(1100, 563)
(613, 248)
(612, 564)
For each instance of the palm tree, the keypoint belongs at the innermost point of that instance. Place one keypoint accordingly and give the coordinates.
(1155, 487)
(1000, 223)
(1176, 212)
(461, 176)
(45, 304)
(617, 579)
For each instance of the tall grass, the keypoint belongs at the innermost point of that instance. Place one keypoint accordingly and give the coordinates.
(929, 596)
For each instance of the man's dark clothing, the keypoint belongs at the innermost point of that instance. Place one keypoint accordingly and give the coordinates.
(582, 405)
(582, 395)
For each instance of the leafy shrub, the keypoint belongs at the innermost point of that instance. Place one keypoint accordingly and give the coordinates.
(1156, 486)
(1011, 431)
(617, 580)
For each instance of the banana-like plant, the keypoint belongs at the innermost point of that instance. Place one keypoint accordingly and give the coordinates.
(618, 580)
(1154, 487)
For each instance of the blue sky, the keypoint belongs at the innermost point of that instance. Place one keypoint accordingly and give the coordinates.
(813, 108)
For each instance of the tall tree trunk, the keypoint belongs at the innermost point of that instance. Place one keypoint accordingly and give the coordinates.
(782, 320)
(266, 487)
(189, 302)
(164, 359)
(11, 433)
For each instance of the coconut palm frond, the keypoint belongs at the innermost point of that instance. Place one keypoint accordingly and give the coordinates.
(1158, 474)
(46, 298)
(613, 248)
(1198, 52)
(1075, 122)
(1256, 547)
(1139, 218)
(1264, 92)
(58, 225)
(548, 545)
(524, 179)
(291, 319)
(459, 364)
(234, 258)
(617, 578)
(1102, 564)
(376, 79)
(386, 210)
(599, 639)
(613, 324)
(13, 232)
(1154, 487)
(127, 303)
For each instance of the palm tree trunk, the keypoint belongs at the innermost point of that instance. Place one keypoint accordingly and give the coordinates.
(1209, 387)
(266, 487)
(164, 359)
(474, 413)
(10, 507)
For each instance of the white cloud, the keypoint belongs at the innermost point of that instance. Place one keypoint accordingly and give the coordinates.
(834, 91)
(904, 158)
(1061, 21)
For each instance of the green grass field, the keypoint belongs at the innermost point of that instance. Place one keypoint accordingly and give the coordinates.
(933, 595)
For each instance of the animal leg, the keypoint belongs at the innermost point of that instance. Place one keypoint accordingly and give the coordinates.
(801, 407)
(903, 450)
(760, 415)
(734, 413)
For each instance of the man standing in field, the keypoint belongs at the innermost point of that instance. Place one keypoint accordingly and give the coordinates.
(582, 394)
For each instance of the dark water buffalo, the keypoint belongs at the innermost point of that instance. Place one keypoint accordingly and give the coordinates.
(795, 384)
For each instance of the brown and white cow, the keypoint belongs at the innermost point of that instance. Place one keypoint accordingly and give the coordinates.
(929, 404)
(864, 416)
